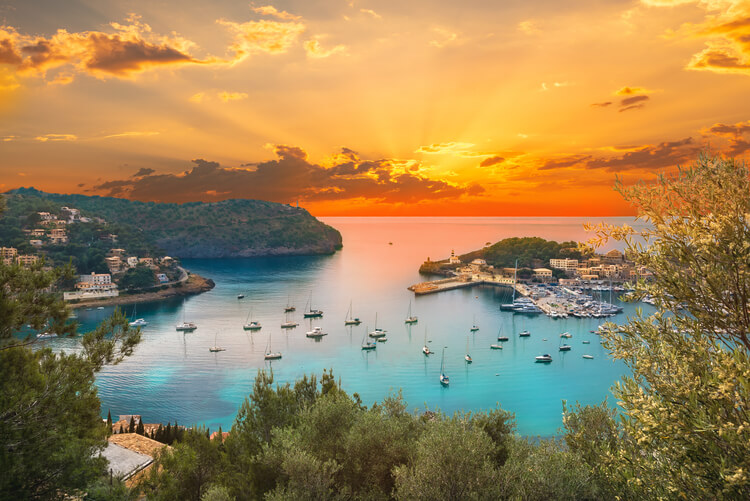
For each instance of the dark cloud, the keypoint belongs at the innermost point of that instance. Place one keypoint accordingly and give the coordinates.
(112, 54)
(602, 105)
(144, 171)
(8, 54)
(488, 162)
(290, 176)
(647, 157)
(734, 133)
(634, 102)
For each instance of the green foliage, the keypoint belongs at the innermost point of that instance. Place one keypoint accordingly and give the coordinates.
(222, 229)
(140, 277)
(685, 430)
(531, 252)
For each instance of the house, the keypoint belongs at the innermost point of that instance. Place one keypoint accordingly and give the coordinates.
(27, 260)
(58, 236)
(613, 257)
(72, 214)
(46, 216)
(162, 278)
(479, 262)
(454, 259)
(132, 261)
(8, 255)
(131, 455)
(95, 282)
(543, 273)
(36, 243)
(568, 265)
(116, 252)
(168, 261)
(148, 261)
(114, 263)
(37, 232)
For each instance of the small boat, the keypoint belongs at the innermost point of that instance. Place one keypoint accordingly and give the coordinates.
(46, 335)
(350, 320)
(240, 296)
(289, 307)
(566, 335)
(185, 326)
(425, 348)
(410, 319)
(467, 357)
(565, 347)
(378, 332)
(496, 346)
(250, 324)
(382, 339)
(270, 355)
(216, 347)
(474, 327)
(500, 336)
(366, 344)
(310, 311)
(444, 380)
(588, 357)
(288, 324)
(100, 307)
(544, 359)
(587, 342)
(139, 322)
(524, 334)
(317, 332)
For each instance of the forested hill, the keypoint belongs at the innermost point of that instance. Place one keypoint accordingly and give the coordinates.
(231, 228)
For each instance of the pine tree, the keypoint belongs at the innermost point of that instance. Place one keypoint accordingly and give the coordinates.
(168, 434)
(109, 422)
(131, 428)
(140, 429)
(121, 430)
(221, 436)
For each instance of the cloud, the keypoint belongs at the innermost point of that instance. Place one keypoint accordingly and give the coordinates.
(488, 162)
(315, 51)
(602, 105)
(447, 38)
(197, 97)
(143, 171)
(270, 10)
(56, 137)
(444, 148)
(131, 49)
(633, 102)
(254, 37)
(231, 96)
(629, 91)
(132, 134)
(734, 134)
(644, 157)
(529, 27)
(291, 176)
(372, 13)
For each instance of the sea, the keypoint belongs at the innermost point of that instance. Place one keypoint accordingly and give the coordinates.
(172, 376)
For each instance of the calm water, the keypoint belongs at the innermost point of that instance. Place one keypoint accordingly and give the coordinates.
(173, 375)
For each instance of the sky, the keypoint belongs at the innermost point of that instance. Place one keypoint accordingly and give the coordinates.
(371, 107)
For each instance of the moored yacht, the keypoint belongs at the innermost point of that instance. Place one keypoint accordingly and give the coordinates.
(544, 359)
(316, 332)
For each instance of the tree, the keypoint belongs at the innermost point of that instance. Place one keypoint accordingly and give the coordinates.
(109, 422)
(685, 429)
(50, 426)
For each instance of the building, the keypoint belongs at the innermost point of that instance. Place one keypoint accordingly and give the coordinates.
(73, 214)
(116, 252)
(58, 236)
(46, 216)
(37, 232)
(130, 456)
(454, 259)
(162, 278)
(36, 243)
(568, 265)
(479, 262)
(148, 261)
(543, 273)
(95, 282)
(27, 260)
(8, 255)
(168, 261)
(132, 261)
(613, 257)
(114, 263)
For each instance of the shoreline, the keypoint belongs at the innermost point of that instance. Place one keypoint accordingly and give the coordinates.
(195, 284)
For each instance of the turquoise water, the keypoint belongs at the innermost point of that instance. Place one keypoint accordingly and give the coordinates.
(173, 375)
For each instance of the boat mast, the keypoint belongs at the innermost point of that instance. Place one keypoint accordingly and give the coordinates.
(515, 274)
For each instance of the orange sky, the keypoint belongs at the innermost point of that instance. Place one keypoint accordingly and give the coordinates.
(370, 107)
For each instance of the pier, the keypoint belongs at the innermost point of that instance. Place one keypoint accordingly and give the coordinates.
(464, 281)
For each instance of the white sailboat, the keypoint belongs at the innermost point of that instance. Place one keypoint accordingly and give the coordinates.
(289, 307)
(185, 326)
(378, 332)
(216, 347)
(350, 320)
(288, 324)
(310, 312)
(467, 357)
(138, 322)
(250, 324)
(444, 380)
(425, 348)
(474, 326)
(366, 344)
(270, 355)
(410, 319)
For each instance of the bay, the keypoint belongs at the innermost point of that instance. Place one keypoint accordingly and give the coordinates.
(172, 376)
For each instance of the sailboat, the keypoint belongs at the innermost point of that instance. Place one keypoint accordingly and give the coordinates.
(185, 326)
(425, 348)
(251, 325)
(564, 347)
(138, 322)
(378, 332)
(216, 347)
(368, 345)
(349, 320)
(500, 336)
(474, 327)
(270, 355)
(443, 376)
(289, 307)
(310, 312)
(410, 319)
(467, 357)
(288, 324)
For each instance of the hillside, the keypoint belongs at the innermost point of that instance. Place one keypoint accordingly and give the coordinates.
(231, 228)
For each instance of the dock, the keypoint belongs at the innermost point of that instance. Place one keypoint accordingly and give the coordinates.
(460, 282)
